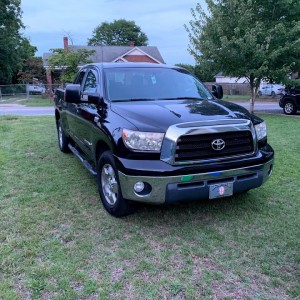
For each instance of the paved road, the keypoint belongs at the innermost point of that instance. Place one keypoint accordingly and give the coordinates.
(268, 107)
(21, 110)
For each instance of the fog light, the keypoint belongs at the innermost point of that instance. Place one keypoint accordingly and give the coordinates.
(139, 186)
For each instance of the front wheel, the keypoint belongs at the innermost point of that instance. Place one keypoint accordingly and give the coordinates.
(109, 187)
(63, 141)
(289, 108)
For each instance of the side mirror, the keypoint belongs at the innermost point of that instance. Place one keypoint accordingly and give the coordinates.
(217, 91)
(72, 93)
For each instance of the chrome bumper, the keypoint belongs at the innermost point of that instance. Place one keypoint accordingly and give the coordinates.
(193, 186)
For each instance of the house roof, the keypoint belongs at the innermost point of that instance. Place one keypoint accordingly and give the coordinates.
(118, 53)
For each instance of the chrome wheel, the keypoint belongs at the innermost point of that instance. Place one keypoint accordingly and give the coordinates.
(289, 108)
(60, 136)
(109, 184)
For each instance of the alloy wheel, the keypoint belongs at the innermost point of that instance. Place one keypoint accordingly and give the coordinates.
(109, 184)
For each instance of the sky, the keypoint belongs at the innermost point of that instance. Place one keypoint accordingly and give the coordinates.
(48, 21)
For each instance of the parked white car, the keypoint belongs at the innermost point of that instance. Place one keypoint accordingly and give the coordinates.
(271, 89)
(36, 89)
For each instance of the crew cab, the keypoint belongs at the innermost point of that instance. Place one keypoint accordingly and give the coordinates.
(155, 134)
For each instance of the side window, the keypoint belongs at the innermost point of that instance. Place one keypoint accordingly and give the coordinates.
(90, 84)
(79, 77)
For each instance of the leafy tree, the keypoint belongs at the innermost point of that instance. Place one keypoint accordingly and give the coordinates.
(118, 33)
(68, 62)
(256, 39)
(14, 48)
(32, 68)
(206, 70)
(190, 68)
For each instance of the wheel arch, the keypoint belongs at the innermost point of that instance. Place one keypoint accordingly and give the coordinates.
(57, 115)
(290, 99)
(100, 148)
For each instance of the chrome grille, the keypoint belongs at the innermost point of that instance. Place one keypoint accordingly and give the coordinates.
(199, 147)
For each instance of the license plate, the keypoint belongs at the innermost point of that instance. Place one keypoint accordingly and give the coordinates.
(220, 190)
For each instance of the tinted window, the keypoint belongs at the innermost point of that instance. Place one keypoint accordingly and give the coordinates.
(90, 84)
(152, 83)
(80, 77)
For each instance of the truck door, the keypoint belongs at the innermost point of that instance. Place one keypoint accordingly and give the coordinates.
(87, 111)
(71, 111)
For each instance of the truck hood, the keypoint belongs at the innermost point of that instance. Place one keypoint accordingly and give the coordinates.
(158, 115)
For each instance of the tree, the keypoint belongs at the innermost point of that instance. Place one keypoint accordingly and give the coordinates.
(32, 68)
(14, 48)
(256, 39)
(68, 62)
(190, 68)
(206, 70)
(118, 33)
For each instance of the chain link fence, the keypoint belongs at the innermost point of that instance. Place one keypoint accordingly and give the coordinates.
(232, 88)
(15, 93)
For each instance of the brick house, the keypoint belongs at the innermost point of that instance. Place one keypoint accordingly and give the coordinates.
(125, 54)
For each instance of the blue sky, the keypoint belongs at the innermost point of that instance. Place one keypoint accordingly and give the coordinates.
(48, 21)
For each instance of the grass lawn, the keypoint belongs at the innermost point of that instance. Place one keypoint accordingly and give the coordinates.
(34, 100)
(37, 101)
(57, 242)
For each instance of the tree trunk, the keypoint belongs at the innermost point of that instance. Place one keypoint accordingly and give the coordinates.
(254, 84)
(252, 101)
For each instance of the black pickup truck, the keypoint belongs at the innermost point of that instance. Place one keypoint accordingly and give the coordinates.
(290, 100)
(155, 134)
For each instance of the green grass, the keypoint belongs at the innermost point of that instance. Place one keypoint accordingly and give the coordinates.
(57, 242)
(237, 97)
(34, 100)
(37, 101)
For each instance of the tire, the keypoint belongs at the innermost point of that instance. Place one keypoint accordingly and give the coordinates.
(259, 93)
(63, 141)
(289, 108)
(109, 187)
(273, 94)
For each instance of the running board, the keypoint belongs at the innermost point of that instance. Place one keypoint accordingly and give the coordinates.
(85, 162)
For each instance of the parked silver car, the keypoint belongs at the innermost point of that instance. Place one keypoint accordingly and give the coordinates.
(36, 89)
(271, 89)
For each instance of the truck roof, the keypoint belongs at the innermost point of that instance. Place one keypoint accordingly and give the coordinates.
(131, 65)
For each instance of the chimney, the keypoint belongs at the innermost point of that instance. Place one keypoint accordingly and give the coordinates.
(131, 43)
(66, 43)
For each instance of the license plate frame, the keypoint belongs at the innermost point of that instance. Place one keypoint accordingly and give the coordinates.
(220, 190)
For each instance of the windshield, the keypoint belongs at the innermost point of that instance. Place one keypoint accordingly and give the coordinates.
(123, 84)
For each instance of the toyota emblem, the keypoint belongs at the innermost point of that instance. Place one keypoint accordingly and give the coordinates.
(218, 144)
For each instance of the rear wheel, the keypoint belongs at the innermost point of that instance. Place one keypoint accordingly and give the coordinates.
(289, 108)
(109, 187)
(259, 93)
(63, 141)
(273, 94)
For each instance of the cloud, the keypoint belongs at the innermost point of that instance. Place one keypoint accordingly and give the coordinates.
(47, 22)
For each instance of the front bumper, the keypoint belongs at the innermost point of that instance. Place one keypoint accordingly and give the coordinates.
(195, 186)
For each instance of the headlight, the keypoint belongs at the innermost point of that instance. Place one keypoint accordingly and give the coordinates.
(142, 141)
(261, 130)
